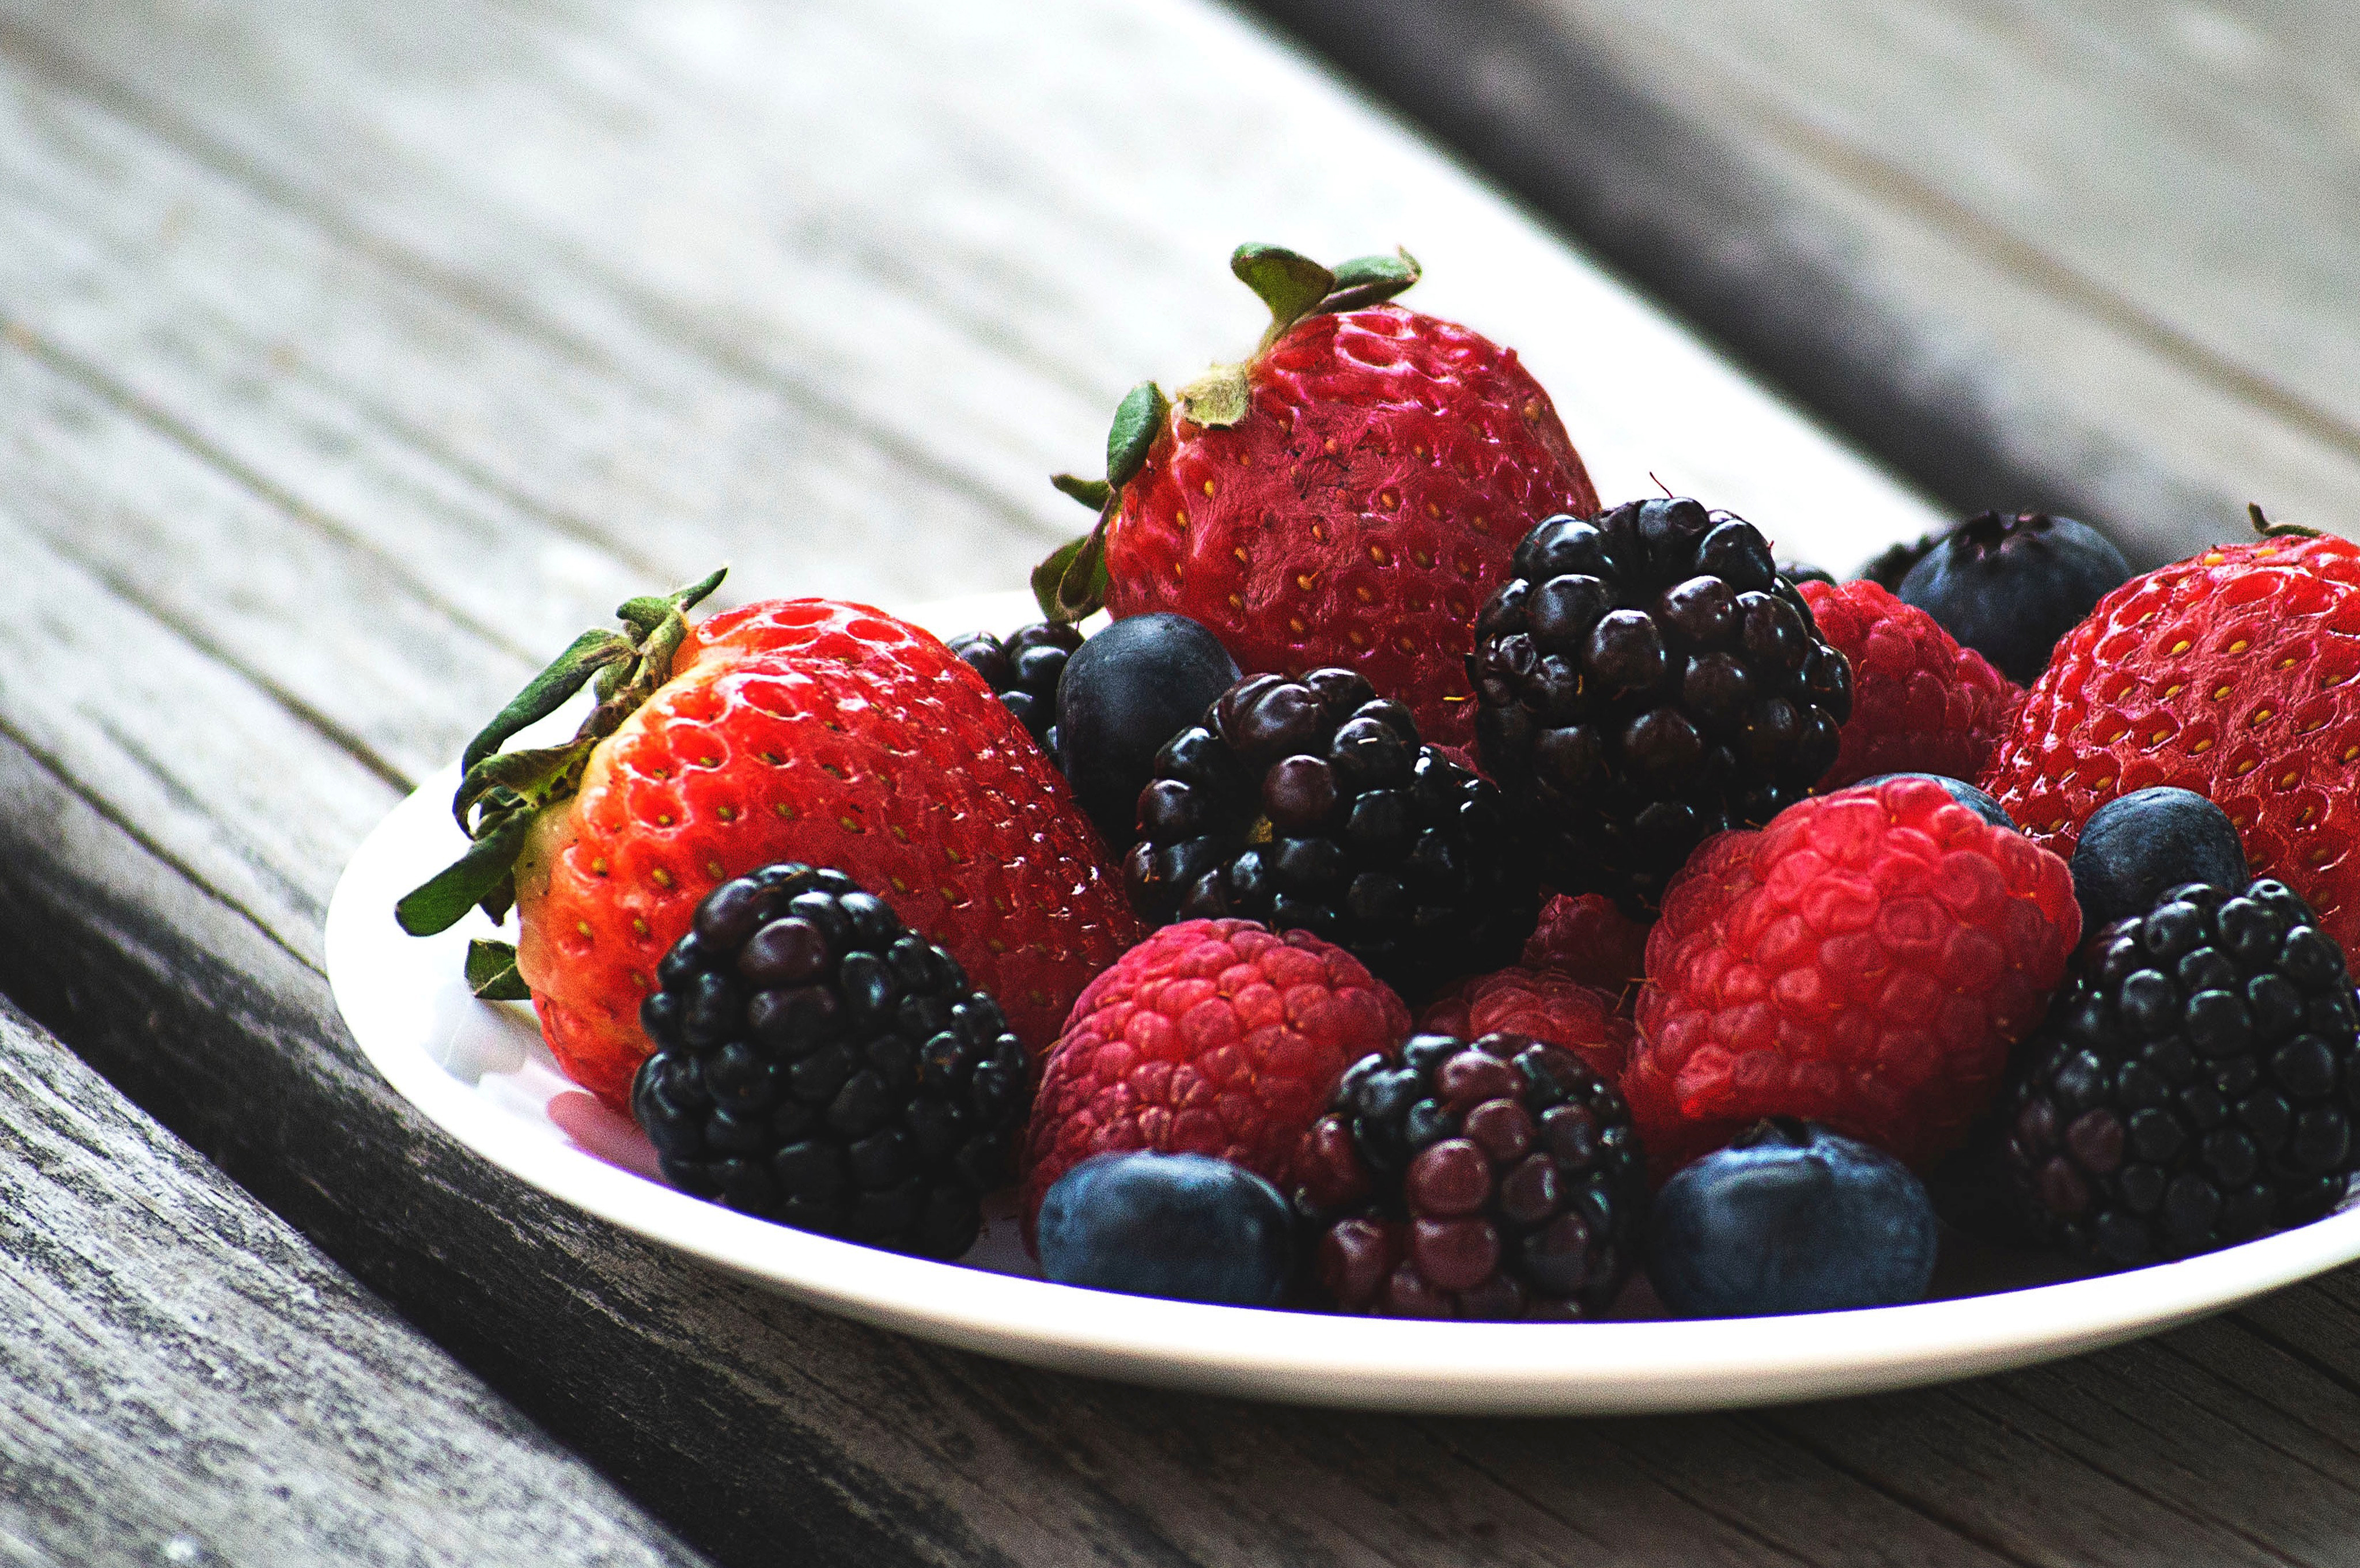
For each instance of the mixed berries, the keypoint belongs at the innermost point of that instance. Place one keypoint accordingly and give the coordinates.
(1437, 895)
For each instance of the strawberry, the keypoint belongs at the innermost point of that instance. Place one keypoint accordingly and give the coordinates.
(1347, 496)
(787, 730)
(2234, 674)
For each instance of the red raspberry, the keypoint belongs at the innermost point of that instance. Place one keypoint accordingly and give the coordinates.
(1211, 1037)
(1539, 1005)
(1920, 704)
(1865, 961)
(1591, 940)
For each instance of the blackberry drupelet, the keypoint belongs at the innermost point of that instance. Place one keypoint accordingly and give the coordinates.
(1311, 804)
(2194, 1085)
(819, 1065)
(1647, 680)
(1024, 668)
(1498, 1179)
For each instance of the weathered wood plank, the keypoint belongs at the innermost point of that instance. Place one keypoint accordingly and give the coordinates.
(2076, 254)
(443, 329)
(185, 1379)
(659, 209)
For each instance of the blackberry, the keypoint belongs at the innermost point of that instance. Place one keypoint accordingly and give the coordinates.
(819, 1065)
(1023, 668)
(1497, 1179)
(1647, 678)
(2194, 1085)
(1312, 804)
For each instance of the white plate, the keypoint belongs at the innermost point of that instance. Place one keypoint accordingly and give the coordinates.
(480, 1071)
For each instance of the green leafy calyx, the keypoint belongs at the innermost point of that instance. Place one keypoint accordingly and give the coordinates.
(500, 792)
(492, 973)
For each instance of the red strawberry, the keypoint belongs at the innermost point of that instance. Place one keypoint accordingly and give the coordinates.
(793, 729)
(1920, 704)
(1211, 1037)
(2234, 674)
(1588, 937)
(1344, 497)
(1539, 1005)
(1865, 961)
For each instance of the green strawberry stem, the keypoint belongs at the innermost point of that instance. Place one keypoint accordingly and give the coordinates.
(2270, 530)
(501, 791)
(1072, 582)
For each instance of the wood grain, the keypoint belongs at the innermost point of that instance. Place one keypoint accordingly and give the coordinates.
(2076, 254)
(183, 1380)
(357, 357)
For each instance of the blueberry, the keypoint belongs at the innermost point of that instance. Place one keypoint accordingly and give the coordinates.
(2135, 847)
(1178, 1226)
(1791, 1218)
(1961, 791)
(1124, 693)
(2009, 587)
(1799, 573)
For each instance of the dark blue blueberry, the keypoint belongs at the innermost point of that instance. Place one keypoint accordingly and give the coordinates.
(2009, 587)
(1961, 791)
(2133, 849)
(1124, 693)
(1791, 1218)
(1177, 1226)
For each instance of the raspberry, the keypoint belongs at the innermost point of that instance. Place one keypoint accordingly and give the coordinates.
(1920, 702)
(1540, 1005)
(1590, 938)
(1865, 962)
(1211, 1037)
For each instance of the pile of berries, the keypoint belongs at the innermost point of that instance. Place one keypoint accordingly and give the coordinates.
(1439, 894)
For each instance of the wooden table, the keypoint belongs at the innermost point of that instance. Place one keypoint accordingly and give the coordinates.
(2094, 254)
(355, 358)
